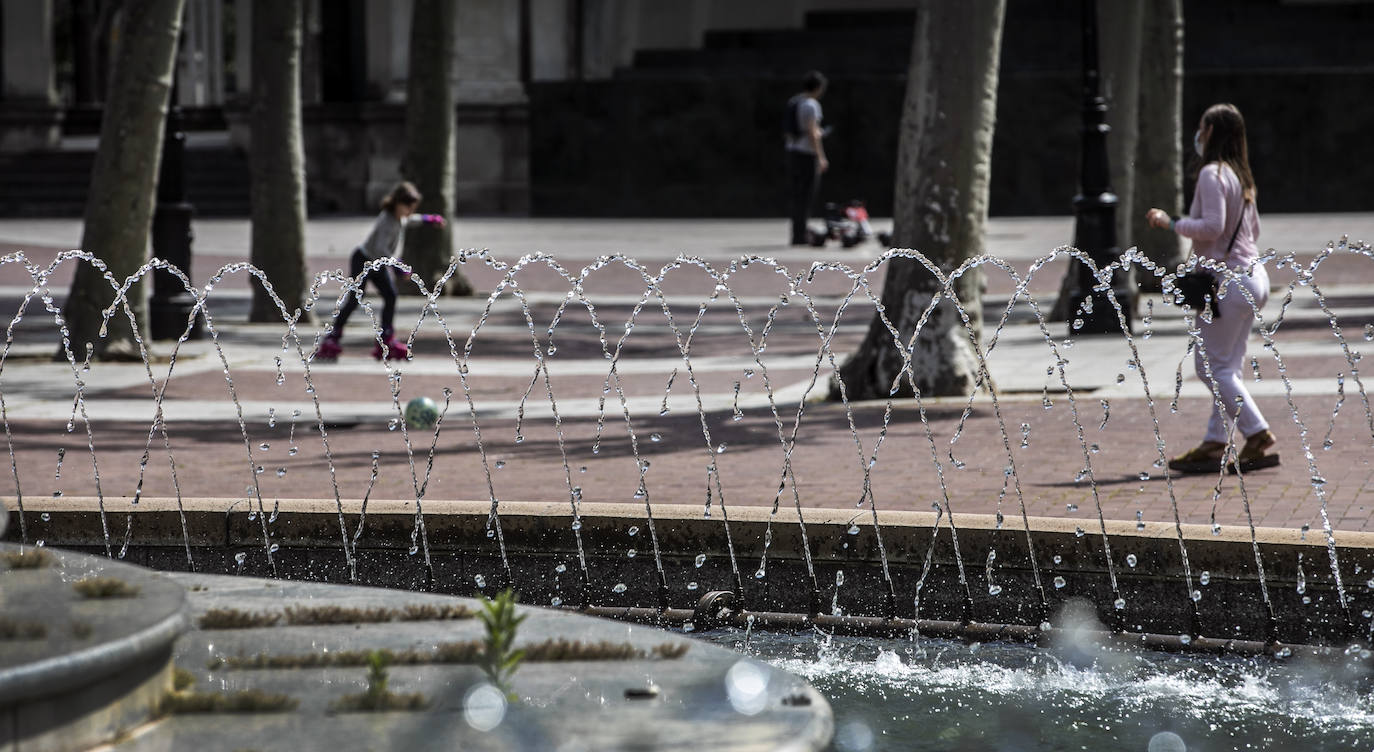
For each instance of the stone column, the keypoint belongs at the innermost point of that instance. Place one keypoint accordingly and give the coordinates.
(200, 62)
(388, 45)
(29, 115)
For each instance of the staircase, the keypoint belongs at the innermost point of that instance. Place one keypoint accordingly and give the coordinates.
(55, 183)
(842, 44)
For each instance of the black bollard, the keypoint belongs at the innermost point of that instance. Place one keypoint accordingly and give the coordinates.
(171, 305)
(1095, 209)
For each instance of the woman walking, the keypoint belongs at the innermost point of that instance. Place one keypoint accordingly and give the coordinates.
(1223, 224)
(398, 210)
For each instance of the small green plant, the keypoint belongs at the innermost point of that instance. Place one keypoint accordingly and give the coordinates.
(500, 658)
(182, 679)
(376, 676)
(377, 697)
(104, 587)
(21, 630)
(233, 618)
(245, 701)
(29, 558)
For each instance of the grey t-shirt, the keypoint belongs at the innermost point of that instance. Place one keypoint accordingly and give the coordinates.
(385, 236)
(808, 112)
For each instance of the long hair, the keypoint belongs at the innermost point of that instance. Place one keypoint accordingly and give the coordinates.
(1227, 145)
(405, 194)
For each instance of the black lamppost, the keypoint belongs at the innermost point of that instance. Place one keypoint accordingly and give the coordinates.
(1095, 207)
(171, 304)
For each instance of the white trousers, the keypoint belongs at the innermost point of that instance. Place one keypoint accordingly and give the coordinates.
(1223, 344)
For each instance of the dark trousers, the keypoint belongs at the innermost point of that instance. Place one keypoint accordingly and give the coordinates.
(801, 168)
(381, 279)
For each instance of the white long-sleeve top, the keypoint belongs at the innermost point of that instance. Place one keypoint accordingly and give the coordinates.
(1217, 202)
(385, 235)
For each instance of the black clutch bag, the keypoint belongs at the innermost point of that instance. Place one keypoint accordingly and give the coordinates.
(1199, 286)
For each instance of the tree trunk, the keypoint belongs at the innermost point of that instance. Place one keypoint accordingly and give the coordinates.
(940, 207)
(119, 211)
(1159, 152)
(277, 159)
(430, 141)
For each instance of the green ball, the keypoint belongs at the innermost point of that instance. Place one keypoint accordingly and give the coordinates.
(421, 412)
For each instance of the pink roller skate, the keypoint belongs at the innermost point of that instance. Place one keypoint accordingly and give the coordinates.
(329, 349)
(395, 348)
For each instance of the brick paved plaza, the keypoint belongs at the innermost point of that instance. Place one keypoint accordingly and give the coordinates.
(526, 458)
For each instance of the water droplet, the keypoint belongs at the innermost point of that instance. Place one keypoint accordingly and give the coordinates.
(701, 559)
(40, 543)
(1119, 603)
(1078, 532)
(1059, 582)
(854, 529)
(292, 451)
(1071, 507)
(561, 568)
(500, 464)
(631, 554)
(1058, 559)
(582, 469)
(1205, 577)
(1197, 595)
(634, 530)
(45, 517)
(760, 574)
(555, 601)
(692, 585)
(391, 424)
(619, 588)
(1143, 475)
(1130, 560)
(480, 580)
(1121, 378)
(720, 449)
(994, 589)
(240, 558)
(272, 549)
(577, 524)
(654, 437)
(414, 550)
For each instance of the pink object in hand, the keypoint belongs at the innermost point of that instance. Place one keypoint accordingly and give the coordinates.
(433, 219)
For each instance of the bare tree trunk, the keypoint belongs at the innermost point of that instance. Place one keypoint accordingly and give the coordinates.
(1159, 153)
(119, 211)
(430, 141)
(277, 159)
(941, 199)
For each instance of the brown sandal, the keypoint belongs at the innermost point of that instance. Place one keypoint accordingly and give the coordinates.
(1203, 458)
(1252, 455)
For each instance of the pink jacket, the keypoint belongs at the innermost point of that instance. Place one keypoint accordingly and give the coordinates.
(1217, 202)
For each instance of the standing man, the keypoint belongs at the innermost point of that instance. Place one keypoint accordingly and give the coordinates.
(805, 155)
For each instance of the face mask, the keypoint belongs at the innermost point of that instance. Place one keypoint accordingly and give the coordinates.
(1197, 142)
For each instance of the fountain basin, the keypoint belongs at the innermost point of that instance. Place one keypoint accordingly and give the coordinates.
(539, 538)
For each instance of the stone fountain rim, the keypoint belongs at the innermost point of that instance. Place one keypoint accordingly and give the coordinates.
(52, 675)
(669, 512)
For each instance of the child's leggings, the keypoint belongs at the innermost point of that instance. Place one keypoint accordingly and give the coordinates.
(381, 279)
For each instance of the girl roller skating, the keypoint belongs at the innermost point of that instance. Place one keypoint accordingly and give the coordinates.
(398, 210)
